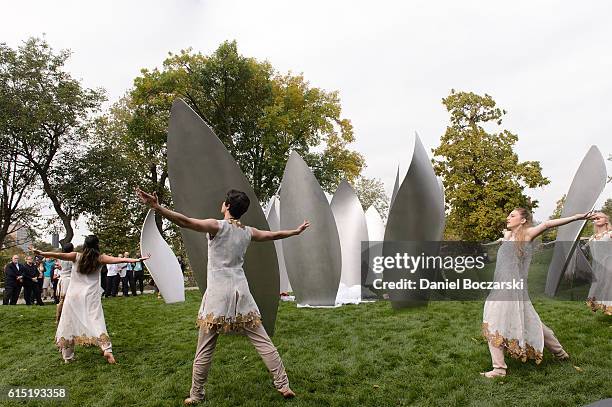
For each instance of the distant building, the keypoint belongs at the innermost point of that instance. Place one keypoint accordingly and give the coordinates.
(21, 237)
(55, 240)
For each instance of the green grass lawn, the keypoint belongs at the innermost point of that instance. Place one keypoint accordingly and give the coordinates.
(365, 355)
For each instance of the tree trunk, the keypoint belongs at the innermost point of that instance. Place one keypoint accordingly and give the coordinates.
(66, 218)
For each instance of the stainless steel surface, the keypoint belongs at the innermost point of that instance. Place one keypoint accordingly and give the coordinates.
(201, 171)
(273, 218)
(417, 215)
(313, 259)
(352, 230)
(588, 183)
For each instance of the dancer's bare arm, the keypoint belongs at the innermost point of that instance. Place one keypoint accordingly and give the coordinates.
(536, 231)
(200, 225)
(263, 235)
(105, 259)
(55, 255)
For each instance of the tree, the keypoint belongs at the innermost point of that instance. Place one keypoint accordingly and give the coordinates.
(15, 188)
(483, 178)
(607, 207)
(259, 115)
(46, 113)
(371, 192)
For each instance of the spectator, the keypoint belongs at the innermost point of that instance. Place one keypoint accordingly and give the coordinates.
(57, 268)
(130, 274)
(122, 271)
(31, 288)
(49, 265)
(139, 275)
(111, 280)
(13, 278)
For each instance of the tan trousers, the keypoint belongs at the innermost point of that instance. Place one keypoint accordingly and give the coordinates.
(260, 340)
(58, 310)
(550, 342)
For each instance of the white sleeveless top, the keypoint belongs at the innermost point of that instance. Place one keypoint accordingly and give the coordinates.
(227, 304)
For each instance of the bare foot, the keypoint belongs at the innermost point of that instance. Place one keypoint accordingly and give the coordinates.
(287, 392)
(110, 358)
(190, 402)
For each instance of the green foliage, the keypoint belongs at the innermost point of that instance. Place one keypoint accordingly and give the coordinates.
(483, 178)
(46, 112)
(259, 115)
(371, 192)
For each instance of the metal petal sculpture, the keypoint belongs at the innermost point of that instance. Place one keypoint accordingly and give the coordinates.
(376, 233)
(313, 259)
(273, 218)
(201, 171)
(587, 185)
(395, 188)
(163, 264)
(352, 230)
(417, 215)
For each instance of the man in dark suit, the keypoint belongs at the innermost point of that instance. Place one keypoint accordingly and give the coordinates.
(31, 290)
(12, 277)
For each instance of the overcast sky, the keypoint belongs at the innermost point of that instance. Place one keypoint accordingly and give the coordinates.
(549, 64)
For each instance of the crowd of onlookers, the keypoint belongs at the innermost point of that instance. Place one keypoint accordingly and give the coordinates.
(37, 278)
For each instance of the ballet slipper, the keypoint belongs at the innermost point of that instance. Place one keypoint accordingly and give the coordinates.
(109, 357)
(190, 401)
(494, 373)
(287, 392)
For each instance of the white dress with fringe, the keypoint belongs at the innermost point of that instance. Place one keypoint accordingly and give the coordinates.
(227, 304)
(509, 319)
(82, 321)
(600, 294)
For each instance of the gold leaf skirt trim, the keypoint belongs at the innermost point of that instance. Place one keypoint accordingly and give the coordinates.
(594, 305)
(211, 323)
(83, 340)
(512, 346)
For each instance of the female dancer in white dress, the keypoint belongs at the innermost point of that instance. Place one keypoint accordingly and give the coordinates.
(227, 304)
(509, 320)
(82, 321)
(600, 245)
(64, 280)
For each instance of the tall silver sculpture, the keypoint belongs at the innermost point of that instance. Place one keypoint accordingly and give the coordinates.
(395, 188)
(201, 171)
(417, 215)
(352, 230)
(376, 233)
(314, 259)
(587, 185)
(273, 218)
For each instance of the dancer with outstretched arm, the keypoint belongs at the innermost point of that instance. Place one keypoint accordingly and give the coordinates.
(600, 246)
(510, 322)
(82, 318)
(227, 304)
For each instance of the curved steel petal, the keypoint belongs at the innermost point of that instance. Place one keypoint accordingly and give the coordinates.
(376, 233)
(395, 188)
(163, 264)
(587, 185)
(417, 215)
(352, 230)
(201, 171)
(273, 219)
(313, 259)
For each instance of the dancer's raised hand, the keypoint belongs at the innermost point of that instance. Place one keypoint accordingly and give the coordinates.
(148, 199)
(303, 227)
(590, 215)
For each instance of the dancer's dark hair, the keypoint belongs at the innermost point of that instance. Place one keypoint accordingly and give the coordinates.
(67, 247)
(238, 203)
(90, 259)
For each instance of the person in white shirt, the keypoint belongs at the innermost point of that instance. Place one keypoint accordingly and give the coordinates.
(122, 272)
(111, 278)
